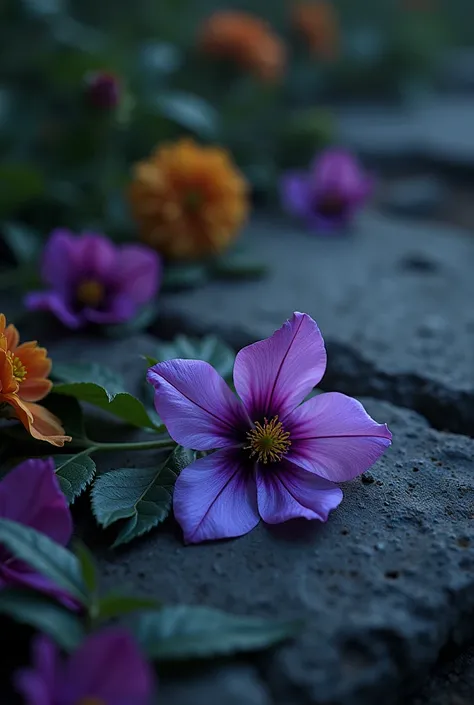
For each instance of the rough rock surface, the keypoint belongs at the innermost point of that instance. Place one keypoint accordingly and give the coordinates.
(438, 131)
(407, 338)
(381, 587)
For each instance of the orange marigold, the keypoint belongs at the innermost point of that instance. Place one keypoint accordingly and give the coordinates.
(188, 200)
(318, 23)
(245, 39)
(24, 371)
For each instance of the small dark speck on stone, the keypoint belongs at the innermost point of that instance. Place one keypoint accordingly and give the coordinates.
(392, 574)
(418, 262)
(345, 532)
(367, 478)
(464, 542)
(416, 469)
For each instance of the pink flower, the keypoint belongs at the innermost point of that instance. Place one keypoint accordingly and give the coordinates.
(30, 495)
(275, 460)
(330, 193)
(93, 281)
(103, 90)
(107, 669)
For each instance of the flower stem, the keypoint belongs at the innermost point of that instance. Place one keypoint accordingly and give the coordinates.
(94, 446)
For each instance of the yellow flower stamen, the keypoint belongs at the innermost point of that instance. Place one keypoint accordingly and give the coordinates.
(90, 293)
(19, 370)
(91, 701)
(268, 441)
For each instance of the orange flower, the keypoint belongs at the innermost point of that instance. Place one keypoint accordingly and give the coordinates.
(245, 39)
(24, 371)
(318, 23)
(189, 201)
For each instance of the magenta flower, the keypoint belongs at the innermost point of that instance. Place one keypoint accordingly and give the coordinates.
(103, 90)
(107, 669)
(327, 196)
(93, 281)
(30, 495)
(275, 460)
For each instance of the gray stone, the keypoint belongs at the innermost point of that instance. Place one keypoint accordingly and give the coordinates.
(452, 683)
(416, 197)
(236, 684)
(381, 587)
(392, 301)
(439, 131)
(456, 71)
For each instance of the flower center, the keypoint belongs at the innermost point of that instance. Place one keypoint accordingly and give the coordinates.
(91, 700)
(268, 441)
(330, 205)
(90, 293)
(192, 200)
(19, 370)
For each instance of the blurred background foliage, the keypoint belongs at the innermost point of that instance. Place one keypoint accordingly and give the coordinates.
(66, 162)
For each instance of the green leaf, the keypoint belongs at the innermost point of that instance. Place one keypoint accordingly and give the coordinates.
(184, 276)
(45, 556)
(19, 184)
(88, 566)
(75, 472)
(189, 111)
(140, 495)
(101, 387)
(112, 606)
(183, 632)
(210, 349)
(44, 614)
(25, 244)
(238, 267)
(69, 411)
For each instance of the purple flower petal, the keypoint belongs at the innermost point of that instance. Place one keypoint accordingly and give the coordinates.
(285, 492)
(337, 171)
(37, 684)
(215, 498)
(296, 193)
(333, 436)
(96, 257)
(55, 303)
(17, 573)
(138, 273)
(196, 405)
(274, 375)
(109, 667)
(60, 260)
(30, 494)
(121, 308)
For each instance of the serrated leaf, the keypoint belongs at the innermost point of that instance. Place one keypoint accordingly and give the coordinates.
(189, 111)
(183, 632)
(45, 556)
(184, 276)
(101, 387)
(45, 615)
(75, 472)
(140, 495)
(88, 566)
(210, 349)
(69, 411)
(112, 606)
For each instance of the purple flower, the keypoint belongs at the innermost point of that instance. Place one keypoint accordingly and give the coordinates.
(275, 460)
(103, 90)
(107, 669)
(93, 281)
(30, 495)
(329, 194)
